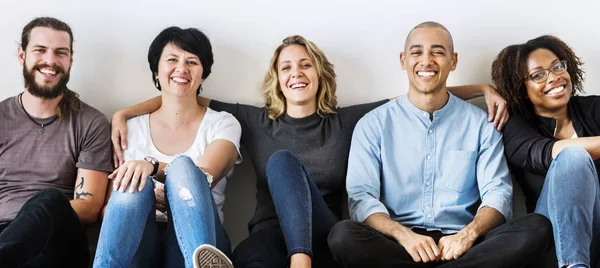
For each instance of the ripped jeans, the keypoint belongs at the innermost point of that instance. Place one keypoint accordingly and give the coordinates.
(131, 237)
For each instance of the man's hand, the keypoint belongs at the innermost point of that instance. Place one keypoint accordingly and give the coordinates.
(159, 194)
(497, 108)
(454, 246)
(420, 247)
(118, 137)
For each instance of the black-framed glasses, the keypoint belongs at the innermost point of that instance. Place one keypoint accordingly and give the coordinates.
(541, 76)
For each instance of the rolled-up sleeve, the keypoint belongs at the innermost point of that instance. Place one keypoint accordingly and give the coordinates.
(363, 181)
(493, 177)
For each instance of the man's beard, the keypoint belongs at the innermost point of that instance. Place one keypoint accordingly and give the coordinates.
(43, 92)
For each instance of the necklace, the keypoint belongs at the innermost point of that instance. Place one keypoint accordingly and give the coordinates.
(42, 130)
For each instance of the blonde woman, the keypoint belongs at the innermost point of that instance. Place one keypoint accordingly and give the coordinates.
(299, 144)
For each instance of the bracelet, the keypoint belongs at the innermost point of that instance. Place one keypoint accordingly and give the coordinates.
(154, 163)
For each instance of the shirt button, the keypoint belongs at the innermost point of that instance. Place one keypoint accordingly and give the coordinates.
(428, 157)
(430, 131)
(429, 216)
(425, 114)
(428, 183)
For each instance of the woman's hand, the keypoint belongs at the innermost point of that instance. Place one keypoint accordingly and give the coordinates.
(497, 108)
(131, 173)
(119, 137)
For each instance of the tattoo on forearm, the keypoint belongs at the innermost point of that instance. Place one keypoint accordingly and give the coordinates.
(79, 195)
(80, 185)
(82, 194)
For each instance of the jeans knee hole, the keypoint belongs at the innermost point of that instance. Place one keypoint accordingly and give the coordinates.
(186, 195)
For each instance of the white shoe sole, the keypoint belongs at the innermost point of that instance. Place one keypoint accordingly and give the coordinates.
(207, 256)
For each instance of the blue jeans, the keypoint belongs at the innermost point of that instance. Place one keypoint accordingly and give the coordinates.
(570, 198)
(130, 236)
(303, 215)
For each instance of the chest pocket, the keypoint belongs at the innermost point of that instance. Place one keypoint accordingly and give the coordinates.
(459, 170)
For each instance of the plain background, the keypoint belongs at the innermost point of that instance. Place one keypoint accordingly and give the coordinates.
(361, 38)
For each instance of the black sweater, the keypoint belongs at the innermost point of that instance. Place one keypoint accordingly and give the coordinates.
(528, 143)
(322, 144)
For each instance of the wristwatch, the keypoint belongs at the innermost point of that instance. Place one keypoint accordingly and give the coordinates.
(154, 162)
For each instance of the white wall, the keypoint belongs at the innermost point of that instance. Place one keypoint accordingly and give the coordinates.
(362, 38)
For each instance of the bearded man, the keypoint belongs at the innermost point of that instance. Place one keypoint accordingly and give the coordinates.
(55, 157)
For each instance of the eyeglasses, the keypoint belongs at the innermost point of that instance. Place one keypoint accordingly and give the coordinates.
(542, 75)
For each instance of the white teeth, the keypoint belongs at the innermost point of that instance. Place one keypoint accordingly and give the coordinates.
(48, 71)
(426, 73)
(555, 90)
(299, 85)
(180, 80)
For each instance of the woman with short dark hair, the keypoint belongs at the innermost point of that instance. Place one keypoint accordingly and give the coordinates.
(186, 147)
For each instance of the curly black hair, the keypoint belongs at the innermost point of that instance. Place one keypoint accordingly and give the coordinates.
(509, 71)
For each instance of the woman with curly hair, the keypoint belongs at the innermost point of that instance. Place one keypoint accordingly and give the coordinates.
(552, 142)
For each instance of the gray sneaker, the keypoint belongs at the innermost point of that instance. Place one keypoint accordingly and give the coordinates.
(207, 256)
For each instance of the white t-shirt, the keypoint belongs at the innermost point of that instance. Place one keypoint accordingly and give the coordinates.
(214, 126)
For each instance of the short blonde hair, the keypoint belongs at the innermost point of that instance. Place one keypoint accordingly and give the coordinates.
(326, 98)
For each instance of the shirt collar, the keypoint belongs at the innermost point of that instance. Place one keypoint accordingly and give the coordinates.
(548, 125)
(405, 103)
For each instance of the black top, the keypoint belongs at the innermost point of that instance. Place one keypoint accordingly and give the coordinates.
(322, 144)
(528, 143)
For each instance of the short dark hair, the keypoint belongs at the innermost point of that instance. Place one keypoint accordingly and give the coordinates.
(509, 71)
(48, 22)
(191, 40)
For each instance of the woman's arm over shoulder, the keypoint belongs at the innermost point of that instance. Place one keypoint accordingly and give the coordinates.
(496, 105)
(244, 113)
(119, 125)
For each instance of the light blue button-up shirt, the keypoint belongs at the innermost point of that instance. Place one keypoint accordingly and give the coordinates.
(427, 174)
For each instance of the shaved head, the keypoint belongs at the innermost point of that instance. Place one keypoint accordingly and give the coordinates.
(431, 24)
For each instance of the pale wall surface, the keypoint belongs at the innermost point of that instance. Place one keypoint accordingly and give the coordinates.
(362, 38)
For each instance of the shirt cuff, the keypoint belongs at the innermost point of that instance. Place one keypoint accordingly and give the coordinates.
(500, 203)
(362, 209)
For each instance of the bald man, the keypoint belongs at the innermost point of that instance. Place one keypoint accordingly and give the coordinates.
(428, 184)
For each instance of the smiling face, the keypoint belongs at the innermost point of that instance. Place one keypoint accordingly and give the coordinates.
(179, 72)
(298, 78)
(428, 59)
(46, 62)
(553, 94)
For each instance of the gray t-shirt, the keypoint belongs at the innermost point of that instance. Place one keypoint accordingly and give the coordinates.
(322, 144)
(30, 161)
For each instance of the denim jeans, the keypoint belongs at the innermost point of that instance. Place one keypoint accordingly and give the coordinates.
(45, 233)
(129, 236)
(302, 213)
(520, 242)
(570, 198)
